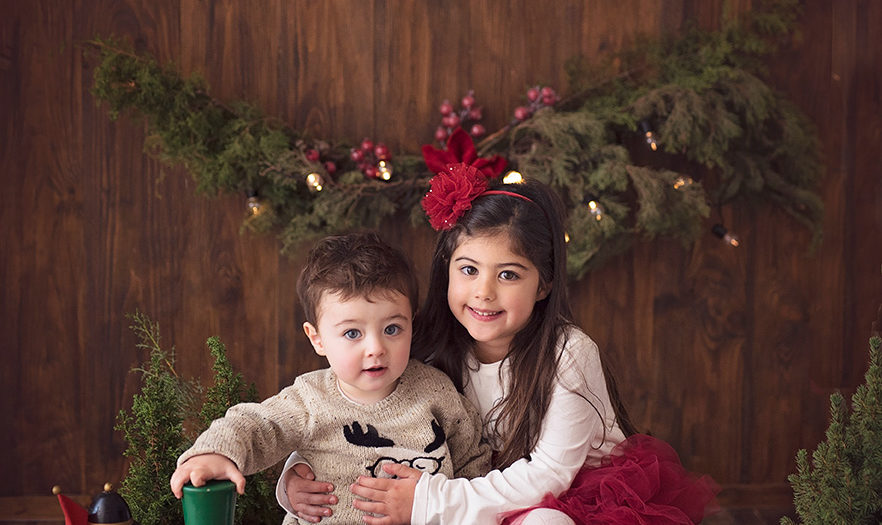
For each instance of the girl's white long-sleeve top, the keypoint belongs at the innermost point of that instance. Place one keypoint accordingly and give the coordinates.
(579, 428)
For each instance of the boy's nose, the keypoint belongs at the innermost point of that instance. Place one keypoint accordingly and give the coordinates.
(374, 346)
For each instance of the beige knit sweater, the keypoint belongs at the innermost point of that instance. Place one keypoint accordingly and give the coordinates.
(425, 423)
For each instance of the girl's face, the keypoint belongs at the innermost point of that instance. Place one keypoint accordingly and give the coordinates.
(492, 292)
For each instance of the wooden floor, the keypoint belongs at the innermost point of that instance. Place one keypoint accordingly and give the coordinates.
(44, 510)
(749, 516)
(35, 510)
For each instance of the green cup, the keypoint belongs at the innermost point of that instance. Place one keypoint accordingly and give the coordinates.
(211, 504)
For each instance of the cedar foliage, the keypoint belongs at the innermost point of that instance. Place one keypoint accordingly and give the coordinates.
(842, 484)
(718, 123)
(156, 434)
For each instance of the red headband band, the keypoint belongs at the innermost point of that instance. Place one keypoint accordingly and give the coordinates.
(503, 192)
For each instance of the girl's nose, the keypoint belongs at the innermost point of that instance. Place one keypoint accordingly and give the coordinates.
(484, 289)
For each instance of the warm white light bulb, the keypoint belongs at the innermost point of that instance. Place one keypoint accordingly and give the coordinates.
(596, 209)
(254, 205)
(647, 132)
(513, 177)
(682, 182)
(314, 180)
(384, 169)
(729, 238)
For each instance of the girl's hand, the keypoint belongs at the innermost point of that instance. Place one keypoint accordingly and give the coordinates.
(305, 495)
(393, 498)
(205, 467)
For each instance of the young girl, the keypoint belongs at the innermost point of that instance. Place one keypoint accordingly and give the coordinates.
(497, 321)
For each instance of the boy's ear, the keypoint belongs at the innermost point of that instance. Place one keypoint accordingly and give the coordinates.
(544, 290)
(314, 338)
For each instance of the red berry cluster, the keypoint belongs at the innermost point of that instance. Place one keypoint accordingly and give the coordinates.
(315, 155)
(465, 115)
(368, 156)
(538, 97)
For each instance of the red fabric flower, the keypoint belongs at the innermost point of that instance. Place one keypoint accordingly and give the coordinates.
(451, 194)
(461, 149)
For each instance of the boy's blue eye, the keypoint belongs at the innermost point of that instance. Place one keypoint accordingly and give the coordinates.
(352, 333)
(392, 329)
(508, 275)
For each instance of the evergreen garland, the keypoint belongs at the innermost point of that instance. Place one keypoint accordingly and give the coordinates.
(156, 434)
(842, 485)
(719, 127)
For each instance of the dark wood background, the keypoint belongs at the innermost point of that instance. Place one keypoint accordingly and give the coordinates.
(729, 355)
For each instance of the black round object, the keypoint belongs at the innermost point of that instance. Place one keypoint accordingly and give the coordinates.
(109, 507)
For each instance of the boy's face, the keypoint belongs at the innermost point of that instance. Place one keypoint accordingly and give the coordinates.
(367, 343)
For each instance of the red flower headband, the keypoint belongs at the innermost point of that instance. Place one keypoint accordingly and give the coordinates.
(451, 194)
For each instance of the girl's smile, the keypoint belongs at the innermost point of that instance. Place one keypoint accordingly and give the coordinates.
(492, 291)
(484, 316)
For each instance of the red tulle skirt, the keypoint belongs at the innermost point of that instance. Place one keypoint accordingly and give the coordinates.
(641, 482)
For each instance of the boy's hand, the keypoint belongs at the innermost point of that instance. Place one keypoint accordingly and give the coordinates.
(205, 467)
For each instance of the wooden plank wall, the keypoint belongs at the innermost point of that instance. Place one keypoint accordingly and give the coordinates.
(728, 355)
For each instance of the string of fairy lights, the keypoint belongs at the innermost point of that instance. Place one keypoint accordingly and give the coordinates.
(375, 162)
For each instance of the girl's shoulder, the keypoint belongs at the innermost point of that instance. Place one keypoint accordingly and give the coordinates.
(574, 344)
(578, 354)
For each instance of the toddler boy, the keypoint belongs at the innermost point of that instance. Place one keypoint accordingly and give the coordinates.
(373, 405)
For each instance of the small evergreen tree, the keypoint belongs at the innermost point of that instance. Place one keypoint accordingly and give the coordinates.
(156, 435)
(258, 505)
(843, 482)
(154, 431)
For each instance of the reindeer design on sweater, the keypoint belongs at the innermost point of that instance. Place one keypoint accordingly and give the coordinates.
(389, 453)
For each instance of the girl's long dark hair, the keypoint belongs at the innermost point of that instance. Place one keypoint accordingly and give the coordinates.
(536, 232)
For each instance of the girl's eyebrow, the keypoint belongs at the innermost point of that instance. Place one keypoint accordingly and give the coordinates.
(500, 265)
(464, 258)
(515, 264)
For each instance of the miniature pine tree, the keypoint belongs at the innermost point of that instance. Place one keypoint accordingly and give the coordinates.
(258, 504)
(155, 433)
(843, 482)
